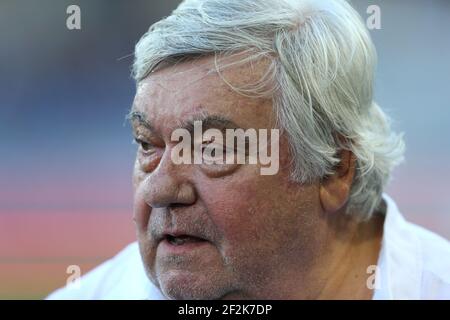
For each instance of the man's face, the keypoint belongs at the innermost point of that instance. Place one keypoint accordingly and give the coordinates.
(215, 231)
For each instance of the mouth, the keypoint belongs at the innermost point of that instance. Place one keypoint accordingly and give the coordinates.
(179, 240)
(178, 243)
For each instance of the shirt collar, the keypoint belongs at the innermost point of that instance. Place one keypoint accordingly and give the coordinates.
(399, 263)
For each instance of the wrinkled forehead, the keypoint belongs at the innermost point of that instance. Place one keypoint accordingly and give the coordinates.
(194, 88)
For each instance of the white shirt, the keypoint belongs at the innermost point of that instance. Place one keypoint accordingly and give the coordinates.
(414, 263)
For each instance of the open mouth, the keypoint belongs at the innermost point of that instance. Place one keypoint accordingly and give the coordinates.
(182, 239)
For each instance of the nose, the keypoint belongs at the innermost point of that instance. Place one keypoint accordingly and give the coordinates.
(169, 185)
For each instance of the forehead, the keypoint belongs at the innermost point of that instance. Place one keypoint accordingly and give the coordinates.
(185, 90)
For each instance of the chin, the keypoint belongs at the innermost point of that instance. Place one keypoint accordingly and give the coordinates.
(185, 285)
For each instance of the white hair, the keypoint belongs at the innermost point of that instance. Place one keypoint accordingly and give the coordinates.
(321, 75)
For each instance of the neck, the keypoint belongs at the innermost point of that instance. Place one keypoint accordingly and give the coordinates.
(340, 270)
(352, 248)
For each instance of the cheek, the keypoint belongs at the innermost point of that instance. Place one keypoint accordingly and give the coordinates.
(255, 213)
(239, 210)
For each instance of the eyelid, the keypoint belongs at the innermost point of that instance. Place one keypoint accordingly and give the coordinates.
(219, 144)
(210, 142)
(139, 140)
(149, 149)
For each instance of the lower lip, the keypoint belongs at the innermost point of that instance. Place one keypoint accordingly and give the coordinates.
(183, 248)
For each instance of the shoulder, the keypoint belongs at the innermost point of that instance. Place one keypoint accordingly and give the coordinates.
(414, 262)
(121, 277)
(435, 259)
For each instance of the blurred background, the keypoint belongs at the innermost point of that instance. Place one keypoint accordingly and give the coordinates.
(65, 149)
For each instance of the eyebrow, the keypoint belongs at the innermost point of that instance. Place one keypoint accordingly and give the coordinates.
(141, 118)
(208, 121)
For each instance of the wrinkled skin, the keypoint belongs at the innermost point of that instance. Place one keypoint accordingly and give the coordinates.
(267, 237)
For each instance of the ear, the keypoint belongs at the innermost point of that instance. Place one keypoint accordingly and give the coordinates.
(335, 189)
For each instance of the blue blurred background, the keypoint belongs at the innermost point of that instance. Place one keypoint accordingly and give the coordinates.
(66, 153)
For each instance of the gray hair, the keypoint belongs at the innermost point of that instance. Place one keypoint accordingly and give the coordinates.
(321, 75)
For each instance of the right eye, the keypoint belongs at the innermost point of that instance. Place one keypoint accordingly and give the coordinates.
(145, 146)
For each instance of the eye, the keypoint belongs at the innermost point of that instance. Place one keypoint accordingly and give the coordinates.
(145, 146)
(212, 143)
(205, 143)
(212, 146)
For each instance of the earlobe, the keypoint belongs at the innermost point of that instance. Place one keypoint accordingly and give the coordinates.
(333, 195)
(335, 189)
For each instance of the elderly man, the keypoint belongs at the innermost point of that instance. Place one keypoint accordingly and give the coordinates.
(318, 226)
